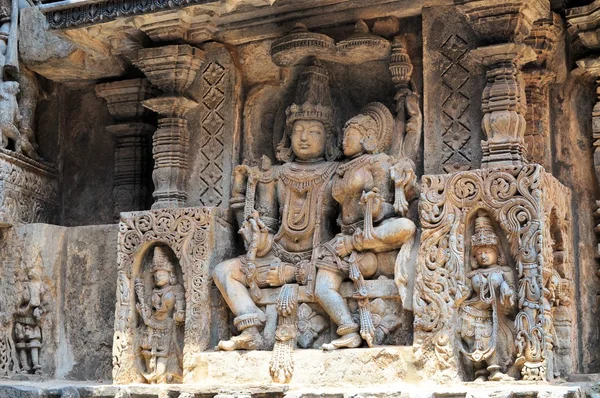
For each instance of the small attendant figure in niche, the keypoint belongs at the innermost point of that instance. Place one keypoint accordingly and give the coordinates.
(159, 345)
(28, 333)
(486, 330)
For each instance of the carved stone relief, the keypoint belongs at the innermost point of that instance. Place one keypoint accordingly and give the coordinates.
(218, 123)
(29, 190)
(452, 84)
(190, 234)
(519, 199)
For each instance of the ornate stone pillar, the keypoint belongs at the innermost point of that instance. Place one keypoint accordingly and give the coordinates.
(543, 38)
(502, 27)
(503, 103)
(584, 26)
(172, 69)
(124, 99)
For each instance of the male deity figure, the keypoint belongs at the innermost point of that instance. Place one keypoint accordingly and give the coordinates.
(28, 333)
(486, 329)
(285, 211)
(369, 205)
(159, 346)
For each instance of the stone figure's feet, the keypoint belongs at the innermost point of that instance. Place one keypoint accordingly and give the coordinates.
(499, 376)
(350, 340)
(249, 339)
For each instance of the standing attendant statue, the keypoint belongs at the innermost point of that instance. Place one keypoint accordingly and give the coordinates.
(486, 330)
(162, 313)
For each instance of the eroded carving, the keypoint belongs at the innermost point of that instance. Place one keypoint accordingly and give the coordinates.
(28, 316)
(162, 314)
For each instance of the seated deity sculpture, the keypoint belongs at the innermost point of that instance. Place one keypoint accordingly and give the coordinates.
(486, 327)
(368, 219)
(285, 211)
(162, 313)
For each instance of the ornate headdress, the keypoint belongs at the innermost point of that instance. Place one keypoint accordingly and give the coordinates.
(312, 102)
(162, 259)
(484, 234)
(378, 122)
(313, 97)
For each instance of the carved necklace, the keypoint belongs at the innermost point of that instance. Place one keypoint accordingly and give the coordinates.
(352, 164)
(303, 179)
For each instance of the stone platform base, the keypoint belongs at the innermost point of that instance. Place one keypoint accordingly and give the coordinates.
(64, 389)
(312, 368)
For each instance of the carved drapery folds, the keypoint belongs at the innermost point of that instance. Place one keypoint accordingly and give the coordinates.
(172, 69)
(190, 234)
(124, 99)
(529, 207)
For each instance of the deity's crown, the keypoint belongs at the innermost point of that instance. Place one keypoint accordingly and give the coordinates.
(484, 234)
(162, 259)
(313, 97)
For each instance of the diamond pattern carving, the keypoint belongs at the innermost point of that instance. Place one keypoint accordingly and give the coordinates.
(213, 121)
(457, 133)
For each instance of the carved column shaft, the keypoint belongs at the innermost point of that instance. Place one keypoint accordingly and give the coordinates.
(537, 132)
(124, 99)
(504, 104)
(172, 69)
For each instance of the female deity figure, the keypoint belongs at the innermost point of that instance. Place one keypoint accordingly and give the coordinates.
(285, 211)
(371, 189)
(162, 313)
(486, 330)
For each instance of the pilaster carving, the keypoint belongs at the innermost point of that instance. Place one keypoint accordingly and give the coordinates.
(172, 69)
(584, 26)
(528, 206)
(124, 99)
(504, 103)
(537, 131)
(453, 81)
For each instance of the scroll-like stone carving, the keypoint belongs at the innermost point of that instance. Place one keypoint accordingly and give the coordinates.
(519, 199)
(486, 330)
(162, 314)
(190, 233)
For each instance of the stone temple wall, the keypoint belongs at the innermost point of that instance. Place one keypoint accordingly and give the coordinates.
(274, 198)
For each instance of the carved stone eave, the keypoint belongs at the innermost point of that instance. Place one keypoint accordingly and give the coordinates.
(583, 24)
(497, 22)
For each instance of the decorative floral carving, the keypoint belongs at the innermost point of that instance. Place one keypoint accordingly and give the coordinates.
(310, 325)
(186, 232)
(518, 198)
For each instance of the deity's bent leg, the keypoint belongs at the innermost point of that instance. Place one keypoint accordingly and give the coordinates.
(248, 317)
(326, 292)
